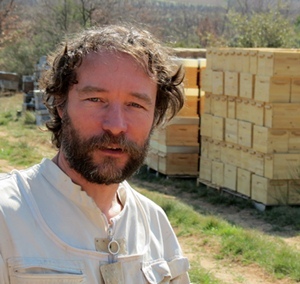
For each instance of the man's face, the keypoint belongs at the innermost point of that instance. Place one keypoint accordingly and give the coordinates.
(108, 118)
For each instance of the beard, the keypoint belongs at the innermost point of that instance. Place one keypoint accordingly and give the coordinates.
(79, 152)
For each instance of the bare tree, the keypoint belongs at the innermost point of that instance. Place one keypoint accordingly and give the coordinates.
(6, 9)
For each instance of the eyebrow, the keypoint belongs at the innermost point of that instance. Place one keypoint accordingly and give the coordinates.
(90, 89)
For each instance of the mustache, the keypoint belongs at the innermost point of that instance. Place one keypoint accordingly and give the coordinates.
(120, 142)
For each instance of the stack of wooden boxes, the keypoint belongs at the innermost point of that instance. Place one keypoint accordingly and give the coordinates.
(250, 129)
(174, 148)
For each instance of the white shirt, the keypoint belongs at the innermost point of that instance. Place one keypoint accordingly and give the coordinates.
(53, 232)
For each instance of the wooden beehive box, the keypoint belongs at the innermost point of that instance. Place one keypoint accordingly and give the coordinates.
(178, 163)
(279, 62)
(269, 192)
(191, 68)
(152, 159)
(207, 106)
(180, 131)
(218, 82)
(215, 149)
(295, 90)
(272, 89)
(217, 169)
(191, 104)
(246, 85)
(231, 107)
(230, 154)
(230, 177)
(256, 112)
(231, 130)
(282, 166)
(294, 141)
(268, 140)
(206, 80)
(231, 83)
(217, 131)
(205, 171)
(206, 125)
(219, 105)
(294, 192)
(244, 182)
(245, 130)
(253, 61)
(282, 116)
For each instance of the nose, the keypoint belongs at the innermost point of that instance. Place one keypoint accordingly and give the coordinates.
(114, 120)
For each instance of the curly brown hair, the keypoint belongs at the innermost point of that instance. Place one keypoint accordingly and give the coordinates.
(156, 59)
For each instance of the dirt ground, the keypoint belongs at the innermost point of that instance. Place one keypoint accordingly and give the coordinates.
(226, 271)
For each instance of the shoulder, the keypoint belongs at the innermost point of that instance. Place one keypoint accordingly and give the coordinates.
(152, 209)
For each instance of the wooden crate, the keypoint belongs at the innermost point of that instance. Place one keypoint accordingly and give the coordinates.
(218, 59)
(219, 105)
(231, 83)
(152, 159)
(245, 61)
(230, 177)
(231, 107)
(154, 145)
(205, 171)
(207, 103)
(282, 116)
(217, 128)
(244, 182)
(243, 110)
(205, 145)
(253, 61)
(272, 89)
(230, 154)
(294, 141)
(202, 102)
(282, 166)
(256, 163)
(206, 125)
(230, 62)
(294, 192)
(178, 164)
(215, 148)
(268, 140)
(180, 131)
(209, 58)
(295, 90)
(269, 192)
(231, 130)
(191, 104)
(279, 62)
(218, 82)
(246, 83)
(191, 68)
(256, 112)
(217, 176)
(245, 133)
(206, 80)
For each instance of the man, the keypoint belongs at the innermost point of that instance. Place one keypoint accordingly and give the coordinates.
(75, 219)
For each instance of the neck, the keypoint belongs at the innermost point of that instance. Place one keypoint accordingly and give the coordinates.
(105, 196)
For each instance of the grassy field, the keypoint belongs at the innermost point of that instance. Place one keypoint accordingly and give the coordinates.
(220, 250)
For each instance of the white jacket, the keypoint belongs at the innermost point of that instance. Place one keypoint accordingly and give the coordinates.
(52, 232)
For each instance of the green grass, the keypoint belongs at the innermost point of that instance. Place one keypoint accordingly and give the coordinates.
(21, 140)
(236, 243)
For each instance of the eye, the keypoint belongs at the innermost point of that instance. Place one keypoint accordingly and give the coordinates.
(94, 100)
(136, 105)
